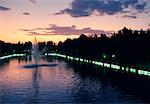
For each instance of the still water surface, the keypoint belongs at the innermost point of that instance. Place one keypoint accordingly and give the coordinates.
(67, 83)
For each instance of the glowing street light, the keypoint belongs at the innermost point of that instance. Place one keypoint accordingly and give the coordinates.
(113, 56)
(104, 56)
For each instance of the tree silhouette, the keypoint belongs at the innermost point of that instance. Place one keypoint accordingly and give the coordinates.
(128, 46)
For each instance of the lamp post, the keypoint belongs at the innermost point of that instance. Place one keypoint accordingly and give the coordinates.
(103, 58)
(111, 57)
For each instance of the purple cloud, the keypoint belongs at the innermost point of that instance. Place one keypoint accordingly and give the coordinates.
(26, 30)
(2, 8)
(66, 30)
(26, 13)
(130, 16)
(35, 33)
(83, 8)
(32, 1)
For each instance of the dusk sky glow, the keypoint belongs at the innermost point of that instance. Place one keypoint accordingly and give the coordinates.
(56, 20)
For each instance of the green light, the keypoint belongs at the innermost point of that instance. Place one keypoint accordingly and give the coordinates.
(98, 63)
(113, 56)
(86, 61)
(90, 61)
(13, 55)
(123, 68)
(148, 73)
(132, 70)
(113, 66)
(107, 65)
(143, 72)
(77, 59)
(81, 60)
(104, 56)
(127, 69)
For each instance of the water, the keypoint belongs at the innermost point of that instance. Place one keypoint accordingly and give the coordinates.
(36, 56)
(67, 82)
(35, 52)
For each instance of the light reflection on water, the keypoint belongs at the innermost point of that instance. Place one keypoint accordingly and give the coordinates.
(65, 83)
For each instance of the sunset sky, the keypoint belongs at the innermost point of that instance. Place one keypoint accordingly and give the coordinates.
(56, 20)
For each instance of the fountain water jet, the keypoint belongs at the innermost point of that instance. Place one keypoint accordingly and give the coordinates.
(35, 52)
(36, 55)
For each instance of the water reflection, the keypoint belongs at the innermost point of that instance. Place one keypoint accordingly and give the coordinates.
(3, 63)
(105, 86)
(68, 83)
(36, 76)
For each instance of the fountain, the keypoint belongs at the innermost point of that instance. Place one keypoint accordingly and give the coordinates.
(36, 55)
(35, 52)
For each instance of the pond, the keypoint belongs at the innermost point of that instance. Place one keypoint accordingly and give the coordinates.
(67, 82)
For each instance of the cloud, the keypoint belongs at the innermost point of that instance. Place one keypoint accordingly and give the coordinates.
(2, 8)
(130, 16)
(32, 1)
(82, 8)
(140, 6)
(26, 30)
(66, 30)
(26, 13)
(35, 33)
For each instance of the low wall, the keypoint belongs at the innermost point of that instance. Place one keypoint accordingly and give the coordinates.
(98, 63)
(104, 64)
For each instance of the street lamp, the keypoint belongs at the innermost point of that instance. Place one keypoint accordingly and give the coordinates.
(104, 56)
(113, 56)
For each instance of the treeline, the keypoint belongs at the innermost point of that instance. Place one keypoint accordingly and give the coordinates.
(10, 48)
(126, 46)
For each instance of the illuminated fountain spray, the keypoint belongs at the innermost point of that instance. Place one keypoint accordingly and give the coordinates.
(35, 52)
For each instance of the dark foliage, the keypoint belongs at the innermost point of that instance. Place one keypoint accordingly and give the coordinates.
(126, 46)
(9, 48)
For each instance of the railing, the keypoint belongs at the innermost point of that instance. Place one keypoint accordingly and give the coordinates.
(13, 55)
(98, 63)
(104, 64)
